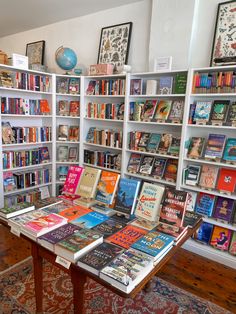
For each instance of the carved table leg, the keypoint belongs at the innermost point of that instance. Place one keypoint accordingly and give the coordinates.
(78, 280)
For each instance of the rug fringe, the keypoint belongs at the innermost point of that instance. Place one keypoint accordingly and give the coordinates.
(15, 265)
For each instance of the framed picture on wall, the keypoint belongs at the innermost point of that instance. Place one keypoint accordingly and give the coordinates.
(224, 43)
(114, 44)
(35, 52)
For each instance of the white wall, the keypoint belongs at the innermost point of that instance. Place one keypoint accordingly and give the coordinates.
(83, 33)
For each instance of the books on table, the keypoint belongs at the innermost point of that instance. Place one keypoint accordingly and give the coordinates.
(106, 187)
(90, 220)
(88, 183)
(72, 180)
(15, 210)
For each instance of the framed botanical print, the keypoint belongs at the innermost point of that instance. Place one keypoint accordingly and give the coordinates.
(35, 52)
(114, 44)
(224, 43)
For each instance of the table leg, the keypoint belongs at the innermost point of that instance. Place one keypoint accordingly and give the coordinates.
(78, 280)
(38, 278)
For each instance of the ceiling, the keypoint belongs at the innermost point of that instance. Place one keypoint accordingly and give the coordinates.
(22, 15)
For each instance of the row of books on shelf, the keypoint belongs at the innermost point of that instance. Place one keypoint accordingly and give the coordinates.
(217, 147)
(29, 196)
(156, 167)
(106, 137)
(214, 82)
(66, 153)
(69, 108)
(157, 111)
(210, 177)
(22, 106)
(103, 159)
(26, 81)
(113, 111)
(18, 135)
(68, 133)
(106, 87)
(162, 85)
(218, 112)
(21, 180)
(68, 85)
(24, 158)
(164, 143)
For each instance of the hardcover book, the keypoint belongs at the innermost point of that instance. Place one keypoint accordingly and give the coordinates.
(138, 265)
(208, 177)
(232, 113)
(74, 108)
(171, 169)
(95, 260)
(202, 111)
(126, 195)
(148, 110)
(74, 212)
(109, 227)
(215, 146)
(72, 180)
(165, 85)
(227, 180)
(224, 209)
(73, 154)
(190, 219)
(136, 86)
(134, 163)
(220, 238)
(144, 224)
(232, 248)
(73, 86)
(219, 110)
(158, 167)
(62, 153)
(148, 206)
(163, 110)
(77, 244)
(146, 165)
(230, 150)
(73, 134)
(175, 146)
(127, 236)
(106, 187)
(195, 148)
(90, 220)
(165, 143)
(205, 204)
(62, 85)
(143, 141)
(15, 210)
(177, 110)
(63, 132)
(88, 182)
(191, 174)
(180, 83)
(63, 107)
(204, 233)
(153, 142)
(191, 201)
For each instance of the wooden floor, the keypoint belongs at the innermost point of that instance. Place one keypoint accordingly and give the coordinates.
(186, 270)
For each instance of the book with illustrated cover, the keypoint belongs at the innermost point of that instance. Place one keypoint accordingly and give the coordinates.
(88, 183)
(77, 244)
(219, 110)
(63, 132)
(154, 243)
(148, 110)
(73, 154)
(153, 142)
(205, 204)
(47, 202)
(9, 182)
(230, 150)
(44, 106)
(208, 177)
(73, 134)
(204, 233)
(191, 218)
(106, 187)
(89, 220)
(227, 180)
(170, 173)
(134, 163)
(195, 148)
(220, 238)
(73, 86)
(191, 114)
(192, 174)
(62, 172)
(177, 110)
(7, 133)
(165, 143)
(126, 195)
(224, 209)
(126, 236)
(158, 167)
(146, 165)
(144, 224)
(62, 85)
(232, 248)
(44, 154)
(63, 107)
(165, 85)
(136, 86)
(148, 206)
(95, 260)
(215, 146)
(74, 212)
(174, 146)
(18, 222)
(74, 108)
(15, 210)
(62, 154)
(55, 209)
(202, 111)
(91, 88)
(231, 118)
(180, 83)
(72, 180)
(119, 113)
(138, 265)
(191, 201)
(90, 135)
(163, 110)
(109, 227)
(143, 141)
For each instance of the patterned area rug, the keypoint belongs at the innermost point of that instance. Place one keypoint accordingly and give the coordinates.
(17, 296)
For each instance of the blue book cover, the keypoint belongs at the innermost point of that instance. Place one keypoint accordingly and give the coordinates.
(153, 143)
(215, 146)
(205, 204)
(154, 243)
(89, 220)
(126, 195)
(230, 150)
(204, 232)
(202, 110)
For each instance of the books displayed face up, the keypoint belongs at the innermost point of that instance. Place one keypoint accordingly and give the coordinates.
(74, 212)
(15, 210)
(110, 226)
(89, 220)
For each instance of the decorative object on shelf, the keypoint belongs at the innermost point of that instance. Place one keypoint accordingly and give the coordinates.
(35, 52)
(224, 43)
(162, 64)
(114, 44)
(101, 69)
(66, 58)
(20, 61)
(3, 57)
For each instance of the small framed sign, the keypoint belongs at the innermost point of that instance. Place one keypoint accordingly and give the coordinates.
(162, 64)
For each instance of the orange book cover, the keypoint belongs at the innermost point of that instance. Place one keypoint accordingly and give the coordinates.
(107, 187)
(44, 106)
(74, 212)
(127, 236)
(74, 108)
(227, 180)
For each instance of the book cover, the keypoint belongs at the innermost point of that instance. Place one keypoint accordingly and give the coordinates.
(144, 224)
(62, 85)
(134, 163)
(220, 238)
(73, 87)
(227, 179)
(63, 132)
(126, 195)
(180, 83)
(177, 110)
(205, 204)
(231, 118)
(146, 165)
(127, 236)
(159, 167)
(136, 86)
(99, 257)
(192, 174)
(165, 143)
(74, 212)
(110, 226)
(208, 177)
(9, 183)
(19, 221)
(153, 142)
(215, 146)
(91, 88)
(49, 201)
(88, 182)
(15, 210)
(62, 154)
(63, 107)
(7, 133)
(224, 209)
(232, 248)
(202, 111)
(44, 156)
(72, 180)
(73, 154)
(106, 187)
(74, 108)
(191, 201)
(138, 108)
(148, 110)
(173, 207)
(165, 85)
(191, 218)
(154, 243)
(230, 150)
(174, 146)
(143, 141)
(44, 106)
(171, 169)
(73, 133)
(219, 110)
(90, 220)
(62, 173)
(204, 233)
(163, 110)
(149, 201)
(191, 114)
(195, 148)
(57, 208)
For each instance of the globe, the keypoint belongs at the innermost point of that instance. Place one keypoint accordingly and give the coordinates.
(66, 58)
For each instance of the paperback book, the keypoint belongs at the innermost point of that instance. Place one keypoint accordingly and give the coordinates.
(144, 224)
(148, 110)
(191, 201)
(158, 167)
(232, 248)
(224, 209)
(165, 85)
(208, 177)
(106, 187)
(204, 233)
(232, 113)
(163, 110)
(215, 146)
(202, 111)
(15, 210)
(90, 220)
(195, 148)
(74, 212)
(191, 218)
(227, 180)
(230, 150)
(205, 204)
(219, 111)
(146, 165)
(165, 143)
(134, 163)
(171, 169)
(176, 113)
(72, 180)
(143, 141)
(88, 183)
(220, 238)
(192, 174)
(109, 227)
(153, 142)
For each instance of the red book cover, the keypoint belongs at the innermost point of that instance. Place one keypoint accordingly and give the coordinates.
(127, 236)
(74, 212)
(72, 180)
(227, 180)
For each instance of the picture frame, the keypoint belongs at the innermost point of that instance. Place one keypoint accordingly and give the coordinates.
(35, 52)
(114, 44)
(224, 41)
